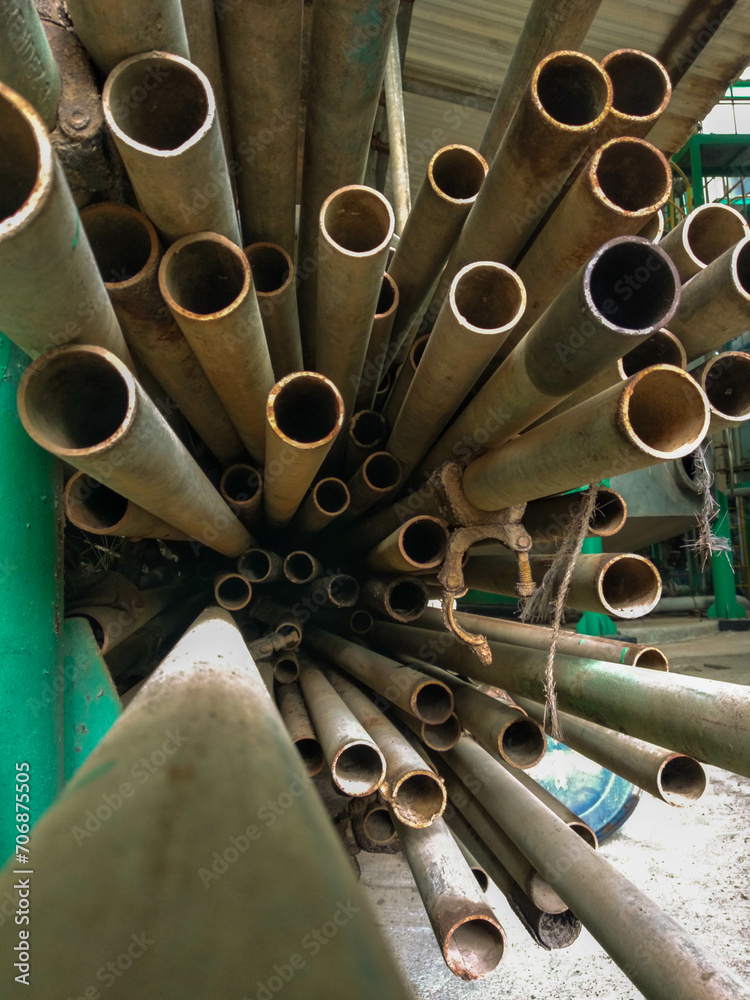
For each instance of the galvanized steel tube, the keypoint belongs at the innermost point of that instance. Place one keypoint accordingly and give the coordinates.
(274, 280)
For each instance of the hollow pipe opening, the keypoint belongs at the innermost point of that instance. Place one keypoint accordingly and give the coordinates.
(287, 630)
(475, 947)
(418, 798)
(632, 175)
(483, 880)
(378, 825)
(311, 753)
(361, 621)
(233, 592)
(177, 108)
(681, 780)
(387, 296)
(664, 410)
(122, 240)
(271, 267)
(204, 275)
(358, 769)
(571, 88)
(343, 591)
(331, 496)
(711, 230)
(299, 567)
(357, 220)
(522, 743)
(640, 86)
(610, 513)
(487, 296)
(661, 348)
(240, 483)
(100, 637)
(633, 285)
(457, 172)
(432, 702)
(742, 266)
(585, 832)
(368, 428)
(286, 668)
(406, 599)
(442, 736)
(22, 160)
(423, 541)
(306, 407)
(629, 586)
(92, 505)
(255, 565)
(651, 658)
(726, 382)
(381, 471)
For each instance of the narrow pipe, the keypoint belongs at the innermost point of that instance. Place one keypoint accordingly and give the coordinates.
(304, 414)
(625, 922)
(200, 18)
(417, 545)
(232, 591)
(275, 285)
(414, 792)
(470, 937)
(414, 692)
(379, 353)
(378, 825)
(548, 519)
(220, 789)
(624, 182)
(403, 380)
(658, 414)
(94, 507)
(653, 229)
(641, 91)
(366, 433)
(360, 621)
(260, 566)
(714, 304)
(27, 64)
(399, 160)
(42, 247)
(241, 486)
(83, 405)
(301, 567)
(378, 526)
(300, 728)
(454, 177)
(111, 624)
(171, 145)
(356, 226)
(547, 28)
(621, 584)
(334, 591)
(127, 251)
(206, 282)
(485, 302)
(440, 736)
(672, 777)
(110, 34)
(549, 930)
(375, 480)
(384, 390)
(402, 598)
(702, 236)
(261, 55)
(284, 622)
(286, 666)
(725, 379)
(357, 764)
(480, 875)
(328, 499)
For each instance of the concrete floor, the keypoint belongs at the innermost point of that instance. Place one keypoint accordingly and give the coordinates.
(694, 862)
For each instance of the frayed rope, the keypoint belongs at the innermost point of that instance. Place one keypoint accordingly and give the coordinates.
(707, 543)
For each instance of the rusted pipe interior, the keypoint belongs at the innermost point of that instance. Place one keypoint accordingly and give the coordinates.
(381, 471)
(711, 232)
(177, 108)
(457, 173)
(442, 736)
(418, 799)
(20, 160)
(386, 296)
(487, 297)
(609, 513)
(121, 242)
(306, 410)
(233, 592)
(255, 565)
(585, 832)
(622, 265)
(270, 265)
(286, 630)
(630, 586)
(240, 483)
(727, 384)
(358, 769)
(286, 667)
(406, 599)
(94, 505)
(433, 702)
(681, 780)
(299, 567)
(572, 90)
(368, 428)
(378, 825)
(205, 276)
(660, 349)
(663, 410)
(633, 176)
(638, 86)
(343, 591)
(474, 947)
(423, 542)
(361, 621)
(357, 221)
(331, 496)
(523, 743)
(651, 658)
(311, 753)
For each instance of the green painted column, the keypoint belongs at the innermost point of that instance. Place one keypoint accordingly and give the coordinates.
(31, 693)
(725, 597)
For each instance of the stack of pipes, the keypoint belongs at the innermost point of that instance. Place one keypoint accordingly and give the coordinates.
(240, 363)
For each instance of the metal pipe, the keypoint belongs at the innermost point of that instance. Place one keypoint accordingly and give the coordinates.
(232, 591)
(328, 499)
(375, 480)
(379, 354)
(111, 624)
(383, 391)
(417, 545)
(641, 91)
(366, 433)
(304, 414)
(547, 28)
(653, 229)
(548, 519)
(206, 282)
(672, 777)
(440, 736)
(261, 55)
(356, 762)
(360, 621)
(110, 35)
(170, 142)
(725, 379)
(454, 177)
(260, 566)
(27, 64)
(285, 623)
(83, 405)
(702, 236)
(399, 160)
(714, 304)
(621, 584)
(334, 591)
(414, 792)
(275, 285)
(199, 770)
(356, 226)
(94, 507)
(200, 28)
(658, 414)
(485, 302)
(672, 605)
(378, 825)
(624, 182)
(300, 727)
(479, 873)
(402, 598)
(286, 666)
(414, 692)
(42, 247)
(470, 937)
(241, 486)
(403, 380)
(301, 567)
(625, 922)
(127, 251)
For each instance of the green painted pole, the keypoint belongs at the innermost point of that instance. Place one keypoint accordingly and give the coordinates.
(725, 598)
(31, 693)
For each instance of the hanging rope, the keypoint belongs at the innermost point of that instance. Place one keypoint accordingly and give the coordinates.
(707, 543)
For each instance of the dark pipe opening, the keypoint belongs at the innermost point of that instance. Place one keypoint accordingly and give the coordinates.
(433, 702)
(121, 242)
(358, 769)
(368, 428)
(424, 541)
(299, 567)
(286, 668)
(457, 172)
(665, 410)
(306, 409)
(488, 297)
(629, 584)
(418, 799)
(270, 267)
(633, 175)
(682, 778)
(386, 296)
(382, 471)
(357, 220)
(442, 736)
(727, 385)
(407, 599)
(205, 276)
(524, 743)
(241, 483)
(332, 496)
(233, 593)
(344, 591)
(378, 826)
(633, 285)
(255, 565)
(20, 160)
(659, 349)
(100, 506)
(572, 90)
(639, 87)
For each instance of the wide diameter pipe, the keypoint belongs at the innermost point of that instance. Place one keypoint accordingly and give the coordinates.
(641, 92)
(419, 544)
(94, 507)
(702, 236)
(725, 379)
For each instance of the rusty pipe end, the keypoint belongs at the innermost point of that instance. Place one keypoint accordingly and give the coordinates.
(725, 379)
(342, 590)
(257, 565)
(232, 591)
(361, 621)
(431, 702)
(585, 832)
(709, 231)
(367, 429)
(681, 780)
(405, 599)
(378, 825)
(651, 658)
(571, 91)
(204, 276)
(418, 798)
(26, 177)
(357, 221)
(358, 769)
(456, 173)
(628, 585)
(487, 298)
(124, 243)
(300, 567)
(286, 667)
(305, 410)
(381, 472)
(522, 743)
(641, 88)
(661, 348)
(663, 412)
(442, 736)
(422, 541)
(241, 486)
(474, 947)
(272, 269)
(287, 630)
(610, 513)
(630, 177)
(92, 506)
(331, 496)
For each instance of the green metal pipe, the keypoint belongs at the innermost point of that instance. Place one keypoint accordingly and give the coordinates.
(26, 61)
